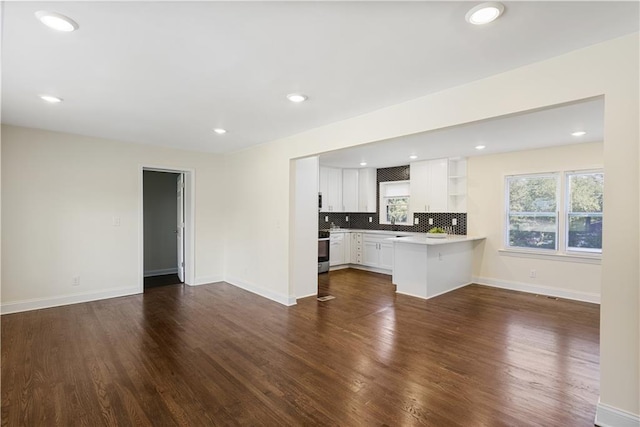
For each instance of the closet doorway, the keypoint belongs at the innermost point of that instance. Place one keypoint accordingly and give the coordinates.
(164, 221)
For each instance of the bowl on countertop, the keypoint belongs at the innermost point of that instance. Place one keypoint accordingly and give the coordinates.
(437, 235)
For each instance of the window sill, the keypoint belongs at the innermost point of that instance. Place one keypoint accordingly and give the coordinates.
(583, 259)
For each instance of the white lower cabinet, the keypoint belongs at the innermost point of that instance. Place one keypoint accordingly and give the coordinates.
(377, 251)
(367, 249)
(386, 255)
(336, 249)
(370, 254)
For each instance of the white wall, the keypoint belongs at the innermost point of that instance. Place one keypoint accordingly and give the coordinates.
(259, 255)
(304, 218)
(160, 222)
(60, 193)
(486, 213)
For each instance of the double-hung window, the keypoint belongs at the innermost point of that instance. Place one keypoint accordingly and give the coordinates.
(541, 217)
(532, 211)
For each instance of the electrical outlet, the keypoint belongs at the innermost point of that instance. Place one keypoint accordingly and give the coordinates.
(430, 221)
(326, 218)
(454, 221)
(346, 218)
(75, 281)
(370, 219)
(116, 221)
(416, 221)
(532, 274)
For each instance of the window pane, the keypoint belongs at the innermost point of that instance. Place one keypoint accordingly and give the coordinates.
(585, 232)
(585, 192)
(532, 231)
(584, 211)
(397, 209)
(532, 215)
(532, 194)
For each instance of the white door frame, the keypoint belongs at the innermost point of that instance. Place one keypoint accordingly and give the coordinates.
(189, 219)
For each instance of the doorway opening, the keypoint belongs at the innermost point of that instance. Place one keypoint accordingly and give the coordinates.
(165, 225)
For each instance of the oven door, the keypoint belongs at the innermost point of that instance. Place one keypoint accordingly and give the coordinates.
(323, 249)
(323, 254)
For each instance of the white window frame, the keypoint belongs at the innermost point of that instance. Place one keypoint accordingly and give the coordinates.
(382, 217)
(562, 251)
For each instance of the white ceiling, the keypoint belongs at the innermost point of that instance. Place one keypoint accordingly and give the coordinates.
(166, 73)
(537, 129)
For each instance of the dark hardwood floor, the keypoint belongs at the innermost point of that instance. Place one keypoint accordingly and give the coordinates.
(218, 355)
(164, 280)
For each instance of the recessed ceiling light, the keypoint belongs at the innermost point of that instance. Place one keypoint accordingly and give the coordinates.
(220, 131)
(297, 97)
(56, 21)
(50, 99)
(480, 147)
(413, 157)
(484, 13)
(578, 133)
(363, 163)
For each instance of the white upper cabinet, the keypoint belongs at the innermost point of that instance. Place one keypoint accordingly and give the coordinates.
(331, 189)
(367, 199)
(429, 186)
(348, 190)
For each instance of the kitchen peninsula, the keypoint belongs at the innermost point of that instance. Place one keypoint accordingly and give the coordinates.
(425, 267)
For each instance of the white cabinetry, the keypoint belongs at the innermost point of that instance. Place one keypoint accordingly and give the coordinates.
(386, 255)
(457, 187)
(377, 251)
(367, 199)
(348, 190)
(331, 189)
(339, 249)
(428, 185)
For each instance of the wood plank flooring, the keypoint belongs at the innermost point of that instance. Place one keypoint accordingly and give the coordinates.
(218, 355)
(164, 280)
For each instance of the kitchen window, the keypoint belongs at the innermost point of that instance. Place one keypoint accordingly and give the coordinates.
(394, 202)
(542, 218)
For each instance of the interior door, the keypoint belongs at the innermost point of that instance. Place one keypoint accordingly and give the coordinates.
(180, 226)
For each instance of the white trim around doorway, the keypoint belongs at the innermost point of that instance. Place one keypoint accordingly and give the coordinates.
(189, 226)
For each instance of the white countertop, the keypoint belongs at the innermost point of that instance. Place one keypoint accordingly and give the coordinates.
(422, 239)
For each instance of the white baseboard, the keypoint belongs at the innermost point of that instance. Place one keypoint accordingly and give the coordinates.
(307, 296)
(608, 416)
(436, 295)
(274, 296)
(39, 303)
(206, 280)
(538, 289)
(162, 272)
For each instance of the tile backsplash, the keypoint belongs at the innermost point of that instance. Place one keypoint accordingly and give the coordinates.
(360, 221)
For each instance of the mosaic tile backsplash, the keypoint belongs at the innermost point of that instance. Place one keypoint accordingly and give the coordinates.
(361, 221)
